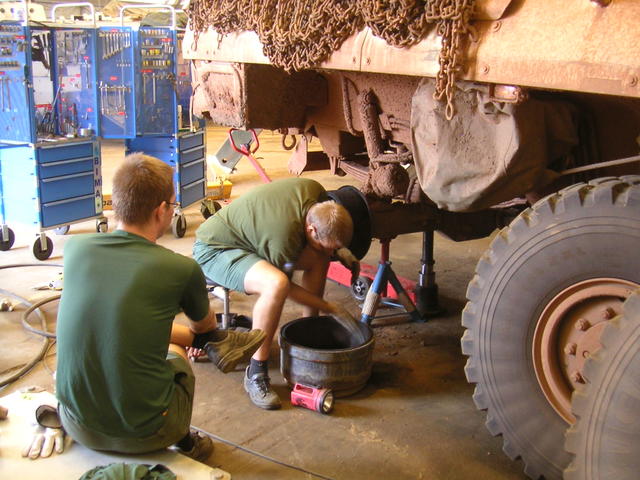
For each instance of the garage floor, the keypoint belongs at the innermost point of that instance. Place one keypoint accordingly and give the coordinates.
(414, 420)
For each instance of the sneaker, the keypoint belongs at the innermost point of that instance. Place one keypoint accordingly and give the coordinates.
(260, 392)
(201, 450)
(236, 347)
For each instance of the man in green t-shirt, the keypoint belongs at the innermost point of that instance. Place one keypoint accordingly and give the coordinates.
(123, 380)
(253, 244)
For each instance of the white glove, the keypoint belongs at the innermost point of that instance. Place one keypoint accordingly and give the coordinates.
(43, 442)
(348, 260)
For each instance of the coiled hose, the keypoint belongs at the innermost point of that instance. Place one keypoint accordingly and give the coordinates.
(31, 307)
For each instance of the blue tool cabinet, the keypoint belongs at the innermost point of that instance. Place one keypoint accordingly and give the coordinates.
(144, 90)
(61, 88)
(50, 175)
(163, 129)
(185, 152)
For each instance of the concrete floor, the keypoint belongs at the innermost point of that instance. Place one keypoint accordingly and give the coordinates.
(414, 420)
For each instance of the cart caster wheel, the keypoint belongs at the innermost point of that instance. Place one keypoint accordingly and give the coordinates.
(360, 288)
(102, 226)
(42, 254)
(62, 230)
(209, 207)
(7, 243)
(179, 226)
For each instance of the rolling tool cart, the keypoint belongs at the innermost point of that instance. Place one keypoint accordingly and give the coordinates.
(163, 126)
(50, 172)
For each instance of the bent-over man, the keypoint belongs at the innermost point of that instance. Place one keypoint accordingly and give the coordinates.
(254, 243)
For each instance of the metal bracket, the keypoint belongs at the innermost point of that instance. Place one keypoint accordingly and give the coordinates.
(508, 93)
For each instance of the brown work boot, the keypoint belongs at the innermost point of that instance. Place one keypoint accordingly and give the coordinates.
(236, 347)
(201, 450)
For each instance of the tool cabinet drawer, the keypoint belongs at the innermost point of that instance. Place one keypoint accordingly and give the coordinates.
(64, 152)
(65, 167)
(192, 154)
(190, 140)
(66, 186)
(192, 193)
(69, 210)
(190, 172)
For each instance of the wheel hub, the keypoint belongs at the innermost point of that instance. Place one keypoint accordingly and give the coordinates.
(568, 332)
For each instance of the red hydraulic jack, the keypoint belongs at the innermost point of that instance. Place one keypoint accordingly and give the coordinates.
(248, 151)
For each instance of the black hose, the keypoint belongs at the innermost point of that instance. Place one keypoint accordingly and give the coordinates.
(36, 306)
(31, 307)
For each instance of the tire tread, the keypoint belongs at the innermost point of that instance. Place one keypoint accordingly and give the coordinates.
(620, 192)
(587, 402)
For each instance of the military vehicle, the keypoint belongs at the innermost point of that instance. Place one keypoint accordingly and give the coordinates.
(464, 116)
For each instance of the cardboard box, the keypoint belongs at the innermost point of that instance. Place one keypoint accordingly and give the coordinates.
(219, 190)
(106, 202)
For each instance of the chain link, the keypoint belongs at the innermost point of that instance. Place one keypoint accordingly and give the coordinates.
(298, 35)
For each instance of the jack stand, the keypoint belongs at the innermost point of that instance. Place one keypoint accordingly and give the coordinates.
(386, 275)
(426, 289)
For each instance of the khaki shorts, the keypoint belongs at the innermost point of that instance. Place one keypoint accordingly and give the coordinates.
(227, 267)
(176, 423)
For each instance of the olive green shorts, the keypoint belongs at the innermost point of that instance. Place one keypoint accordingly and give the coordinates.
(177, 418)
(227, 267)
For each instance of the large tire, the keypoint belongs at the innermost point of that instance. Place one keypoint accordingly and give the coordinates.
(606, 436)
(587, 232)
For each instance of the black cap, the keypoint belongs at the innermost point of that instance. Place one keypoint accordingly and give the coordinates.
(356, 204)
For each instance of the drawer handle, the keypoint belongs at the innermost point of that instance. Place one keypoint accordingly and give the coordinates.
(66, 177)
(74, 144)
(193, 149)
(65, 162)
(194, 184)
(189, 135)
(190, 164)
(68, 200)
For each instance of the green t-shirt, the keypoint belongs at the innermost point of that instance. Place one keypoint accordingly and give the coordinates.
(268, 220)
(121, 294)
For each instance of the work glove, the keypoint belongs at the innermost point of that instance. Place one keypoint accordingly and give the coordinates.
(48, 434)
(349, 261)
(43, 442)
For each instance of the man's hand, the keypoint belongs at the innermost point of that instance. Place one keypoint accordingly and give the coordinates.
(43, 442)
(194, 354)
(348, 321)
(338, 311)
(348, 260)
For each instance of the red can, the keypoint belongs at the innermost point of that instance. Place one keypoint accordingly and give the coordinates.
(318, 399)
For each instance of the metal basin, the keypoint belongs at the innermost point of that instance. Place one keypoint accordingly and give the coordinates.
(319, 352)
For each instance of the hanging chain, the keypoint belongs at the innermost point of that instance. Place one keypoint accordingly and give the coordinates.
(298, 35)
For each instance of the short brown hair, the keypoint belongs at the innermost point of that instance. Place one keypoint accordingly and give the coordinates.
(332, 222)
(140, 185)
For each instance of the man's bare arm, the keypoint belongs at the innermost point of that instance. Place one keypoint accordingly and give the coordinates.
(207, 324)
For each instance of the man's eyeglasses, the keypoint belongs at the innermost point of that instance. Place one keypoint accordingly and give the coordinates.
(173, 204)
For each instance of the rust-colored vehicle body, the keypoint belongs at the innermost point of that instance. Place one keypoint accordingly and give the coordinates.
(551, 89)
